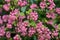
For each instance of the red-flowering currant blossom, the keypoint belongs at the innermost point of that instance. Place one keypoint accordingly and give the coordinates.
(31, 31)
(51, 6)
(55, 33)
(0, 10)
(8, 34)
(6, 7)
(42, 5)
(50, 22)
(50, 1)
(9, 26)
(33, 6)
(57, 10)
(17, 37)
(1, 21)
(51, 15)
(34, 15)
(22, 3)
(11, 19)
(2, 31)
(5, 18)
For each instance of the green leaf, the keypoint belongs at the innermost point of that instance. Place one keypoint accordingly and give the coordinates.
(28, 12)
(3, 38)
(22, 14)
(32, 23)
(59, 26)
(10, 39)
(35, 38)
(31, 1)
(1, 5)
(44, 20)
(14, 23)
(12, 7)
(59, 34)
(23, 9)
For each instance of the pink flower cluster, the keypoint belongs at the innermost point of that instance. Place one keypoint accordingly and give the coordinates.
(32, 22)
(51, 4)
(22, 3)
(33, 15)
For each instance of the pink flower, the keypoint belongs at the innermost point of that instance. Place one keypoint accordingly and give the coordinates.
(50, 1)
(40, 24)
(6, 7)
(1, 21)
(0, 10)
(39, 31)
(7, 0)
(50, 22)
(21, 17)
(22, 3)
(23, 33)
(9, 26)
(8, 34)
(48, 15)
(43, 33)
(55, 33)
(15, 12)
(11, 19)
(51, 15)
(17, 37)
(48, 36)
(31, 31)
(5, 18)
(22, 28)
(52, 5)
(33, 6)
(56, 26)
(28, 17)
(58, 10)
(34, 15)
(40, 37)
(42, 5)
(43, 0)
(25, 23)
(2, 31)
